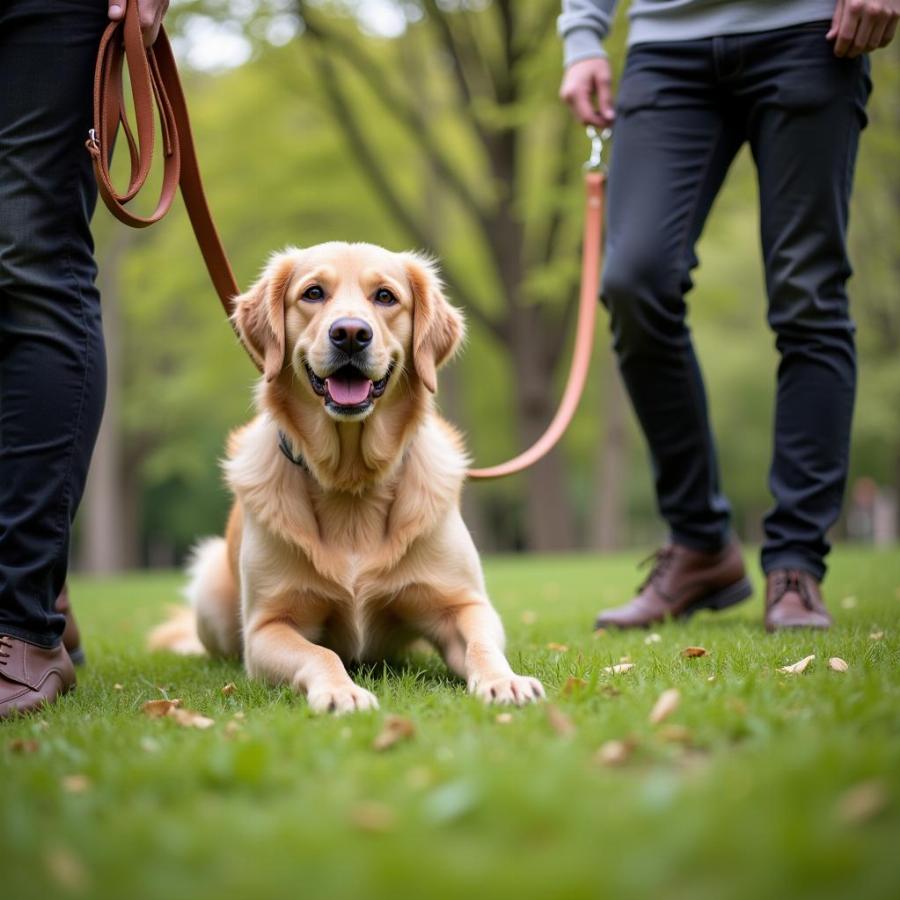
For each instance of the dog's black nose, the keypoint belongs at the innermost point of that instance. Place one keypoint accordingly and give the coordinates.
(350, 335)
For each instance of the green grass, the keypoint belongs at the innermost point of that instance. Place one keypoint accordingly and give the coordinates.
(290, 805)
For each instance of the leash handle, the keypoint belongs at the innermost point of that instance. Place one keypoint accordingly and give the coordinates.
(591, 263)
(155, 86)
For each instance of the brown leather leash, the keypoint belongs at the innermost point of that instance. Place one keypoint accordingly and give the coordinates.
(155, 86)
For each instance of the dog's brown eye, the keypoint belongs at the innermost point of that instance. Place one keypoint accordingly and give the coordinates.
(385, 297)
(314, 294)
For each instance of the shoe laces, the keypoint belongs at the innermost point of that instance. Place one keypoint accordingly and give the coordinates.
(5, 645)
(662, 561)
(791, 582)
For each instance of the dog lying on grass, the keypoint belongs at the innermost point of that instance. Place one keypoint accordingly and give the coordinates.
(345, 542)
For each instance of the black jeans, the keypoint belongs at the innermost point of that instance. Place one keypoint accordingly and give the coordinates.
(683, 111)
(52, 361)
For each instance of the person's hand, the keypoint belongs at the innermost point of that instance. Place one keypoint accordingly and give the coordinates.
(587, 88)
(152, 12)
(860, 26)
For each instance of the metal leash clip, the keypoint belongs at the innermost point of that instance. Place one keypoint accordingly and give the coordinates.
(595, 162)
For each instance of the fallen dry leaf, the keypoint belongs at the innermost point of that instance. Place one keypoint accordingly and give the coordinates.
(231, 728)
(76, 784)
(374, 817)
(118, 687)
(614, 753)
(420, 777)
(675, 734)
(503, 718)
(171, 709)
(619, 669)
(559, 648)
(573, 685)
(837, 664)
(691, 652)
(23, 745)
(711, 678)
(229, 689)
(66, 869)
(797, 667)
(156, 709)
(667, 703)
(862, 802)
(876, 635)
(653, 638)
(529, 617)
(395, 730)
(188, 718)
(559, 721)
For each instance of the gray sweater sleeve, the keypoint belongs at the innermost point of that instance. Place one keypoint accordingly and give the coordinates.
(582, 26)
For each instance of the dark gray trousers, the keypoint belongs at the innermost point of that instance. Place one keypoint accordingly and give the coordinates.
(52, 362)
(683, 111)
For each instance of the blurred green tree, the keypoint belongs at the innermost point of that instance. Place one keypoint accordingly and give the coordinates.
(443, 132)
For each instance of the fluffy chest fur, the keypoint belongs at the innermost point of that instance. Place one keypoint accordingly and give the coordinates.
(346, 547)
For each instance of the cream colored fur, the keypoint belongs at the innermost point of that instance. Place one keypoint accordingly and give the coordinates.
(362, 550)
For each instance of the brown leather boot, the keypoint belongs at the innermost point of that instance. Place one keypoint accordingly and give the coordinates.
(793, 600)
(681, 582)
(31, 676)
(71, 636)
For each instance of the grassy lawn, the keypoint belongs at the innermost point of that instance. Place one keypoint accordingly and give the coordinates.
(760, 784)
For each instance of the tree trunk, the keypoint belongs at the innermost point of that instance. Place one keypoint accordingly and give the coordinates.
(109, 533)
(548, 516)
(611, 466)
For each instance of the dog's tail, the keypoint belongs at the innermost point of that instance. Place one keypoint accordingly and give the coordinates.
(211, 623)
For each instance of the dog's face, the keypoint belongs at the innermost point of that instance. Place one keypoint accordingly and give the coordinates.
(349, 320)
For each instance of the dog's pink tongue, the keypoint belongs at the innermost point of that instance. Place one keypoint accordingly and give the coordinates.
(348, 391)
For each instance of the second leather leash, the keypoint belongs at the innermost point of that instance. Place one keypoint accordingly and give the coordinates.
(591, 265)
(155, 85)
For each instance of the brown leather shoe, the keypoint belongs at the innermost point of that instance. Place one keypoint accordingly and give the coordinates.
(793, 600)
(681, 582)
(31, 676)
(71, 636)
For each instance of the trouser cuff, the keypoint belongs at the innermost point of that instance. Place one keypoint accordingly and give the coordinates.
(48, 642)
(793, 559)
(700, 544)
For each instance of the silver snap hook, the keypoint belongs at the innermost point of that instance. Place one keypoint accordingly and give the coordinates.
(597, 138)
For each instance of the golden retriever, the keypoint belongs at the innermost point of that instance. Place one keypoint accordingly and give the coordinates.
(345, 542)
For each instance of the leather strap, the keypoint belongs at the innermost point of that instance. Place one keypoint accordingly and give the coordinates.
(591, 264)
(155, 86)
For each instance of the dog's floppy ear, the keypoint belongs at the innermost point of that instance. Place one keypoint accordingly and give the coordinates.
(259, 315)
(438, 327)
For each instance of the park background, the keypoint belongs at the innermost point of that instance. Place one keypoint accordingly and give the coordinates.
(436, 125)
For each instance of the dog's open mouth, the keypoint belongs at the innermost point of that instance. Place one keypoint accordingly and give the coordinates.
(347, 389)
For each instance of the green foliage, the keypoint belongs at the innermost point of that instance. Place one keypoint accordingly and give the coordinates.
(283, 804)
(279, 171)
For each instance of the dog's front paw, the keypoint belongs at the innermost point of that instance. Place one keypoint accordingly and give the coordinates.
(340, 699)
(514, 689)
